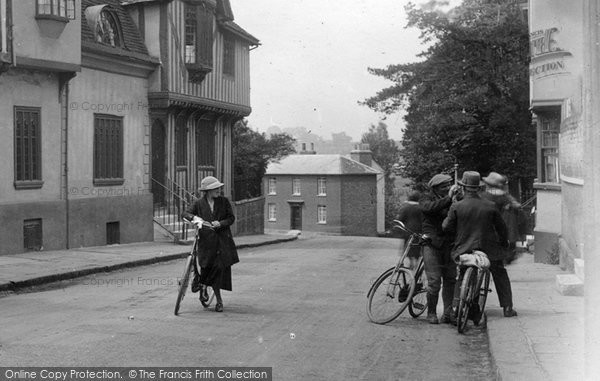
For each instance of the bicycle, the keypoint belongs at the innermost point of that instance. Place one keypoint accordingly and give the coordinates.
(473, 289)
(184, 281)
(400, 287)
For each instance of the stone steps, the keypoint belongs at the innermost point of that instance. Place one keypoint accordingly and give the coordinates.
(572, 284)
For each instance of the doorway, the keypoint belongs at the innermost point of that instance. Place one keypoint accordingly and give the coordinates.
(158, 162)
(296, 217)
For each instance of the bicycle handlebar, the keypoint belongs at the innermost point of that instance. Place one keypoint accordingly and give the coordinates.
(205, 224)
(422, 237)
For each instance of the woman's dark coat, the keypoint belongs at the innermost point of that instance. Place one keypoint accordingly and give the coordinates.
(215, 246)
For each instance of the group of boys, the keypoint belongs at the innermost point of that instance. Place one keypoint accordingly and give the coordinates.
(459, 218)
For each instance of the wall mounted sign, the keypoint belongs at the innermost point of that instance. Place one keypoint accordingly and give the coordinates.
(547, 57)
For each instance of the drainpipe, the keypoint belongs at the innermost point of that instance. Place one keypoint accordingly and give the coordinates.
(66, 106)
(64, 79)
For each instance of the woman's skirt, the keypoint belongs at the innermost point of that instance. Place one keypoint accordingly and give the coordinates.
(216, 276)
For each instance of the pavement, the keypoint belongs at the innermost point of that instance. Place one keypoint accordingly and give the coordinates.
(544, 342)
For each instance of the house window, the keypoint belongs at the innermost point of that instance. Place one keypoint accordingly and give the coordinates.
(296, 187)
(108, 149)
(272, 212)
(61, 9)
(272, 186)
(108, 29)
(191, 34)
(28, 147)
(228, 56)
(198, 38)
(321, 186)
(550, 128)
(4, 20)
(322, 214)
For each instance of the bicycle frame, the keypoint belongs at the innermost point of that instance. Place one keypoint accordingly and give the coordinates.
(191, 263)
(472, 291)
(398, 284)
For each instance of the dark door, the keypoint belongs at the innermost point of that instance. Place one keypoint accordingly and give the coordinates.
(158, 162)
(296, 223)
(113, 233)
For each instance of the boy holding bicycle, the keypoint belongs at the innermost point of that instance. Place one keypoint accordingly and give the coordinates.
(478, 225)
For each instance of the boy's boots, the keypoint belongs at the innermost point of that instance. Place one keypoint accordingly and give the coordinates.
(431, 309)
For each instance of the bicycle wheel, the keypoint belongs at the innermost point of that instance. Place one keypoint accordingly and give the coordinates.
(184, 281)
(211, 296)
(418, 304)
(484, 287)
(390, 295)
(467, 290)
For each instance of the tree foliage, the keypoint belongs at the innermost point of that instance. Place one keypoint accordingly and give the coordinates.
(468, 98)
(252, 152)
(386, 154)
(385, 151)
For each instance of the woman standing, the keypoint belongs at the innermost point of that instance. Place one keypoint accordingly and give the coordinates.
(212, 214)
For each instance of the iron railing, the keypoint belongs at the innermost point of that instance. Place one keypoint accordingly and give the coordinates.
(167, 212)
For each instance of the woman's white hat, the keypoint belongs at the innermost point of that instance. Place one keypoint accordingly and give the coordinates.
(210, 183)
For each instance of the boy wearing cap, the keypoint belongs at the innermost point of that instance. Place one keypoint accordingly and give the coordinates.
(440, 270)
(478, 225)
(510, 209)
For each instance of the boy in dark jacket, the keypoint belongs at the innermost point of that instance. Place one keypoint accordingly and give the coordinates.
(478, 225)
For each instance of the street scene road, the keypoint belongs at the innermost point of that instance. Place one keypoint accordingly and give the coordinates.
(298, 307)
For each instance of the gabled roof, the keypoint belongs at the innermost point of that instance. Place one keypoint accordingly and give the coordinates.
(224, 16)
(240, 32)
(134, 47)
(319, 165)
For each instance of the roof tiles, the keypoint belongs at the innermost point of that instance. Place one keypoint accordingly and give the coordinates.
(319, 165)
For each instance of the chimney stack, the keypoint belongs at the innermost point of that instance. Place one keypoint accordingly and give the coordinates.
(362, 153)
(311, 152)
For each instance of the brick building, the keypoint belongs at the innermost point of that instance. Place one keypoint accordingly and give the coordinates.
(330, 194)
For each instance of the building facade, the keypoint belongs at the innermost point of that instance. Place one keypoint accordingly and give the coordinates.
(565, 83)
(40, 52)
(198, 93)
(108, 131)
(329, 194)
(200, 90)
(556, 74)
(110, 107)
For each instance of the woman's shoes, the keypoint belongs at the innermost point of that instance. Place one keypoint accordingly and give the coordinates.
(219, 307)
(203, 294)
(196, 285)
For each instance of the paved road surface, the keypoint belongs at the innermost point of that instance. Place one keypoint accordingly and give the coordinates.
(298, 307)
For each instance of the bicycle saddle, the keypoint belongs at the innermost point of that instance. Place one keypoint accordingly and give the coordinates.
(477, 258)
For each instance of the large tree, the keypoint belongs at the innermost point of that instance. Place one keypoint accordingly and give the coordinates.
(252, 152)
(467, 99)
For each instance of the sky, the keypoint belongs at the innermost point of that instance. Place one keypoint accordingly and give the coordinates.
(311, 67)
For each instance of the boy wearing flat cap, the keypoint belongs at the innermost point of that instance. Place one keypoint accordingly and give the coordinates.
(439, 267)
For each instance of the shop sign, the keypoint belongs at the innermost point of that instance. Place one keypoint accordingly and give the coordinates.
(547, 57)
